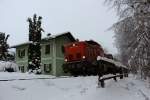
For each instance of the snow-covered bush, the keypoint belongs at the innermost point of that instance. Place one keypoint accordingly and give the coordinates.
(8, 66)
(35, 71)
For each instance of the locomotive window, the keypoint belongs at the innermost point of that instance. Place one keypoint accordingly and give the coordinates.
(78, 55)
(94, 53)
(91, 53)
(88, 52)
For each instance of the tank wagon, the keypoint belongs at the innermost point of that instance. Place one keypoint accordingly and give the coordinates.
(88, 58)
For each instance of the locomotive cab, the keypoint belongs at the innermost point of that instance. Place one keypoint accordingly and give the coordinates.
(74, 52)
(83, 51)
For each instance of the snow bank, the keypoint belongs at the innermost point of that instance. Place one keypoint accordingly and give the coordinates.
(19, 75)
(74, 88)
(4, 65)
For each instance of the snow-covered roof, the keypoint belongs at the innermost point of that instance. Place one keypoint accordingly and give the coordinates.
(25, 43)
(106, 59)
(56, 35)
(47, 38)
(118, 64)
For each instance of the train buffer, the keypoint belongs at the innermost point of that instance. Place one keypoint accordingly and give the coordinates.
(101, 81)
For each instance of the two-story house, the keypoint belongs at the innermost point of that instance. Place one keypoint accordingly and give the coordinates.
(52, 55)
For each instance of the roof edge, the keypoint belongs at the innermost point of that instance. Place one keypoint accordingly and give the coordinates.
(48, 37)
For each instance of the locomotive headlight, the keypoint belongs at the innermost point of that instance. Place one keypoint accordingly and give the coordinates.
(66, 60)
(83, 57)
(74, 45)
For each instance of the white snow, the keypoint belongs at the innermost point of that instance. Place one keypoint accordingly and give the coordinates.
(118, 64)
(70, 88)
(8, 64)
(18, 75)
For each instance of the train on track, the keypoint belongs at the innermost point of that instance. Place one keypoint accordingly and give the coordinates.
(88, 58)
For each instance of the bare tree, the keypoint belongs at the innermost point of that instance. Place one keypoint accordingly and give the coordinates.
(132, 33)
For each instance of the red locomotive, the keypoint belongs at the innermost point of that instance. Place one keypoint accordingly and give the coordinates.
(81, 59)
(83, 51)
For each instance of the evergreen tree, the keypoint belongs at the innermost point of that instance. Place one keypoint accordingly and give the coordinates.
(3, 47)
(34, 52)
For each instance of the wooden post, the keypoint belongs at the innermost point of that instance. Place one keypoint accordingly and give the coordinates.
(121, 76)
(115, 79)
(102, 83)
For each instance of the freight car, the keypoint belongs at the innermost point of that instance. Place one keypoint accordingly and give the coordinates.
(88, 58)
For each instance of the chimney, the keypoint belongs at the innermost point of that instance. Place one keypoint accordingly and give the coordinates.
(49, 34)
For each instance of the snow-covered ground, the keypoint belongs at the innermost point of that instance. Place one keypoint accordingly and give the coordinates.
(19, 76)
(71, 88)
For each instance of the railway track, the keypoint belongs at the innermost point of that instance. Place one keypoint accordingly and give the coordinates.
(31, 78)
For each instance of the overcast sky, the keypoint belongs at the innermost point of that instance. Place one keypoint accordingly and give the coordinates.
(85, 19)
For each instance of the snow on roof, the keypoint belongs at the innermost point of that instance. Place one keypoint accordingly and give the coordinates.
(56, 35)
(105, 59)
(46, 38)
(25, 43)
(118, 64)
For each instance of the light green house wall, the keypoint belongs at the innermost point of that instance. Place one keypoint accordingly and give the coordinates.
(59, 54)
(22, 62)
(47, 58)
(55, 58)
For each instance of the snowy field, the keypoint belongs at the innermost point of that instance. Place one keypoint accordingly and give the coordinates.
(73, 88)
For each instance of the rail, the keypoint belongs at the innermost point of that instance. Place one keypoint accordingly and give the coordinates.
(102, 83)
(31, 78)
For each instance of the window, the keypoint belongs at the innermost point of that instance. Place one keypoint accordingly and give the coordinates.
(21, 53)
(47, 68)
(21, 68)
(47, 49)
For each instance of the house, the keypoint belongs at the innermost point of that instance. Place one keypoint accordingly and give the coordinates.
(52, 55)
